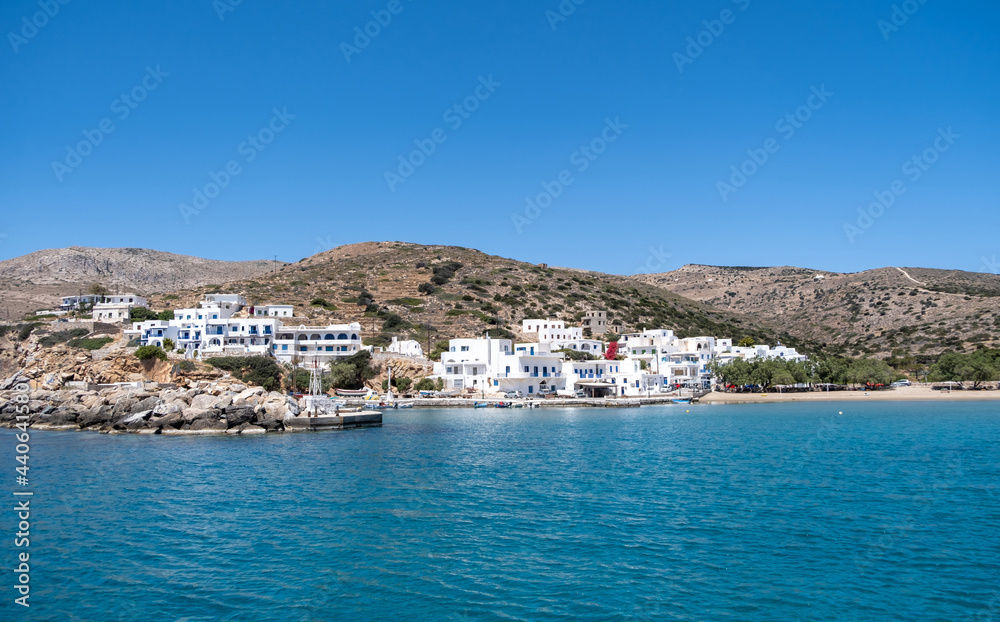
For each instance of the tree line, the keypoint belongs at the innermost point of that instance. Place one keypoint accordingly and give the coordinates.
(979, 367)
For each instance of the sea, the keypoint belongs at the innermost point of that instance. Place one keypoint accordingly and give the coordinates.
(826, 511)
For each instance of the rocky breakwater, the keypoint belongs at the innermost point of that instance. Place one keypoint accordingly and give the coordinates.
(203, 407)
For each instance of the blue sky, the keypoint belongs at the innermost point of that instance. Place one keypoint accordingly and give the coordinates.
(313, 121)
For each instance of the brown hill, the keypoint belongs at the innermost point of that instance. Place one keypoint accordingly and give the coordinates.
(918, 311)
(475, 292)
(37, 280)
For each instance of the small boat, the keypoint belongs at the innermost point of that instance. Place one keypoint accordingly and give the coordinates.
(502, 405)
(481, 405)
(347, 418)
(352, 392)
(681, 400)
(374, 406)
(403, 405)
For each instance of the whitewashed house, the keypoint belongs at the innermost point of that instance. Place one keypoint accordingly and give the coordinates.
(406, 347)
(117, 307)
(286, 311)
(305, 345)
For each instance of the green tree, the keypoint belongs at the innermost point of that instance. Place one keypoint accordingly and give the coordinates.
(870, 372)
(746, 342)
(424, 384)
(141, 314)
(352, 372)
(168, 344)
(980, 368)
(145, 353)
(165, 315)
(782, 376)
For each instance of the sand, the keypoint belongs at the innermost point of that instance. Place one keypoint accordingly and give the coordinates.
(914, 393)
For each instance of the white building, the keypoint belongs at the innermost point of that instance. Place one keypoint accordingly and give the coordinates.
(73, 303)
(407, 347)
(210, 329)
(534, 325)
(596, 321)
(117, 307)
(286, 311)
(304, 345)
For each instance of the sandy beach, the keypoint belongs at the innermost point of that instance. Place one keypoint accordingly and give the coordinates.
(914, 393)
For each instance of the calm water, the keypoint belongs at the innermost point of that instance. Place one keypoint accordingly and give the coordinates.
(769, 512)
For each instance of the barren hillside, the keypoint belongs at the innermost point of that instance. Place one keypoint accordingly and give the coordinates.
(37, 280)
(474, 292)
(917, 310)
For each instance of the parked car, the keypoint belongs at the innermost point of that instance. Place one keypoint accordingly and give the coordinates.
(513, 394)
(902, 383)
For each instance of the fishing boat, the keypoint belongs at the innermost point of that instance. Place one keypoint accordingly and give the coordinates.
(681, 400)
(481, 405)
(502, 405)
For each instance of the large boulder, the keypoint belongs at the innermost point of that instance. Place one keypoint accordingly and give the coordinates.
(193, 414)
(248, 428)
(124, 406)
(271, 425)
(92, 399)
(136, 421)
(148, 403)
(276, 409)
(238, 415)
(64, 417)
(247, 395)
(208, 424)
(223, 401)
(95, 416)
(171, 420)
(11, 382)
(203, 401)
(172, 407)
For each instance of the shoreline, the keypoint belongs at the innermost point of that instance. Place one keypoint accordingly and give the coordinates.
(901, 394)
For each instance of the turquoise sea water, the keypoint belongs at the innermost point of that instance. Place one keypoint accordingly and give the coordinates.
(762, 512)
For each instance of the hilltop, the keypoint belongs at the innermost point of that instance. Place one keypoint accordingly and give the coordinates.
(431, 293)
(917, 311)
(37, 280)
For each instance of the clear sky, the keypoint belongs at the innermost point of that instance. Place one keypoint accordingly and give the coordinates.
(625, 123)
